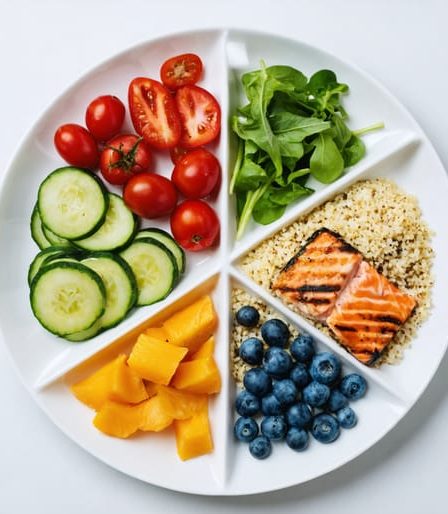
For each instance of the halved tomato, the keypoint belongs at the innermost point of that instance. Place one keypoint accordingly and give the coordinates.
(200, 116)
(153, 113)
(181, 70)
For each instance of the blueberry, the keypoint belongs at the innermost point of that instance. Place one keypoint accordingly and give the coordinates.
(347, 417)
(245, 429)
(325, 368)
(274, 427)
(316, 394)
(247, 404)
(353, 386)
(302, 348)
(277, 362)
(260, 447)
(325, 428)
(285, 391)
(299, 415)
(275, 332)
(299, 375)
(336, 401)
(297, 439)
(270, 406)
(257, 381)
(251, 351)
(248, 316)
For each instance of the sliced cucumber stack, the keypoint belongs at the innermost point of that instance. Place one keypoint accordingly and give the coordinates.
(154, 267)
(37, 232)
(67, 297)
(47, 255)
(168, 241)
(79, 283)
(121, 292)
(54, 239)
(117, 230)
(72, 203)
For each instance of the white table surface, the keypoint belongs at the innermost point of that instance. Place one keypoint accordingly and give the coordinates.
(44, 46)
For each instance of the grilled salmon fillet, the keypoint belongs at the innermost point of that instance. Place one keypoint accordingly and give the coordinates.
(369, 313)
(316, 275)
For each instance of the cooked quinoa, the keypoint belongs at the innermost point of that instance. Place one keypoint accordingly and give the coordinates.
(385, 224)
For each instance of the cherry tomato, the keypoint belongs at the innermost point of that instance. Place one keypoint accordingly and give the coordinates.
(181, 70)
(124, 156)
(150, 195)
(104, 117)
(194, 225)
(197, 173)
(76, 145)
(154, 113)
(177, 153)
(200, 116)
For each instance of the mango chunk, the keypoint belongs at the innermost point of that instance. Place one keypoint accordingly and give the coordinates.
(157, 333)
(118, 420)
(205, 350)
(199, 376)
(180, 404)
(155, 360)
(114, 381)
(151, 388)
(154, 416)
(191, 326)
(193, 435)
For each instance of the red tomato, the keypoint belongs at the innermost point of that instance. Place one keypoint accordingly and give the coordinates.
(194, 225)
(150, 195)
(76, 145)
(104, 117)
(200, 116)
(124, 156)
(154, 113)
(177, 153)
(197, 173)
(181, 70)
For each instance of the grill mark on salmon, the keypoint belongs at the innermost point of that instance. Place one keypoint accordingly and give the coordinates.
(315, 276)
(368, 314)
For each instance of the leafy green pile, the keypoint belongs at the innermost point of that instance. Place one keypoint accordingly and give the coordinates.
(291, 129)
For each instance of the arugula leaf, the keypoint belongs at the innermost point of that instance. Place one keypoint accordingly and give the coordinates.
(250, 176)
(354, 151)
(326, 163)
(273, 202)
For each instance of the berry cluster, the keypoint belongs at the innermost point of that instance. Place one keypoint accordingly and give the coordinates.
(296, 390)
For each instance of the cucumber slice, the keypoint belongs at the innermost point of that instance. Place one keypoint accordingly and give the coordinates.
(154, 267)
(37, 232)
(116, 231)
(120, 284)
(78, 337)
(72, 203)
(67, 297)
(168, 241)
(54, 239)
(53, 252)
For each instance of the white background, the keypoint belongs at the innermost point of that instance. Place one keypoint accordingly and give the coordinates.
(44, 46)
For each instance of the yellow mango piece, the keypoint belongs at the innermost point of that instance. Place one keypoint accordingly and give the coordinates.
(157, 333)
(200, 376)
(191, 326)
(114, 381)
(155, 360)
(193, 435)
(180, 404)
(205, 350)
(118, 420)
(154, 416)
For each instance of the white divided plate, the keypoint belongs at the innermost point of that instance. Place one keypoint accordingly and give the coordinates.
(47, 364)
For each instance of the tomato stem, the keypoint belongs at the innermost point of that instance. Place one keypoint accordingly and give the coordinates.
(126, 160)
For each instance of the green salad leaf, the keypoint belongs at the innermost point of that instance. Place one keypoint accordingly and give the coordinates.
(291, 128)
